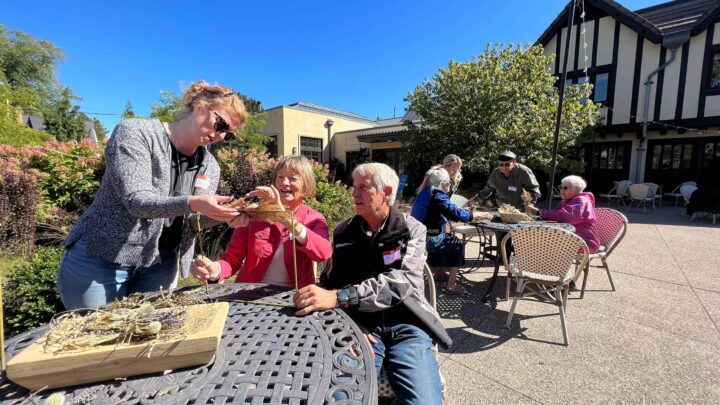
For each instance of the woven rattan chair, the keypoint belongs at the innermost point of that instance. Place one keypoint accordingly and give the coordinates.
(676, 192)
(619, 192)
(546, 257)
(611, 226)
(687, 190)
(385, 391)
(655, 192)
(458, 200)
(640, 195)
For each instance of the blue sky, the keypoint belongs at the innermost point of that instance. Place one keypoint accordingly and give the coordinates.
(359, 56)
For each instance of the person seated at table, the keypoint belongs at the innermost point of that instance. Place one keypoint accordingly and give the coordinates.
(262, 252)
(434, 209)
(508, 181)
(576, 208)
(451, 163)
(376, 273)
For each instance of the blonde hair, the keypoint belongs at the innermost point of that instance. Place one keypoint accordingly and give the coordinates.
(449, 160)
(301, 165)
(201, 93)
(382, 175)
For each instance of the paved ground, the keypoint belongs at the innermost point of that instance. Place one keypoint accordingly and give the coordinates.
(654, 340)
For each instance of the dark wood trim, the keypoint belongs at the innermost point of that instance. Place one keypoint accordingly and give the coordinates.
(557, 52)
(613, 74)
(681, 81)
(577, 45)
(660, 83)
(637, 80)
(596, 32)
(707, 69)
(694, 123)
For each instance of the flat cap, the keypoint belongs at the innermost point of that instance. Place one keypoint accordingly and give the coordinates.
(506, 156)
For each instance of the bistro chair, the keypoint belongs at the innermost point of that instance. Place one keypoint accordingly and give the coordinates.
(687, 191)
(385, 391)
(676, 191)
(619, 192)
(467, 232)
(655, 193)
(555, 191)
(640, 195)
(458, 200)
(611, 227)
(544, 256)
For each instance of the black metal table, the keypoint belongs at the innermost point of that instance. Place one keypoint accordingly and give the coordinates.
(267, 356)
(500, 229)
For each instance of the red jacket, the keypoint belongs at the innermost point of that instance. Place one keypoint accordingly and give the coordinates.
(251, 249)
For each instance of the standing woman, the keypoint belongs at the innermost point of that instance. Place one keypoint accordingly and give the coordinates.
(453, 164)
(140, 226)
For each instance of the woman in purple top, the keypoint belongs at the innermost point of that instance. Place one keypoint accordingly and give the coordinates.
(576, 208)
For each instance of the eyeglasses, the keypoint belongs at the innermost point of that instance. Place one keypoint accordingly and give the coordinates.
(565, 187)
(504, 164)
(221, 126)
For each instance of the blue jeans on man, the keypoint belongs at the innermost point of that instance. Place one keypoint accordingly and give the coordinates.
(86, 281)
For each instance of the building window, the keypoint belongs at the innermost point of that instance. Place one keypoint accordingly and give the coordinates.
(271, 145)
(311, 148)
(601, 86)
(610, 157)
(674, 156)
(715, 72)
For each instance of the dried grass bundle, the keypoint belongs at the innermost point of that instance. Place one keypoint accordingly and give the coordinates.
(262, 211)
(134, 319)
(527, 199)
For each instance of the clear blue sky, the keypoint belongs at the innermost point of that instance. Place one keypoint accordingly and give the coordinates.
(359, 56)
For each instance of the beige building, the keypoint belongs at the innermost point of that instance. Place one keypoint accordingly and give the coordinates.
(660, 65)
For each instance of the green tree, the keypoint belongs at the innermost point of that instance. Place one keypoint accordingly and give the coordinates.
(503, 99)
(100, 130)
(170, 107)
(129, 112)
(29, 67)
(64, 120)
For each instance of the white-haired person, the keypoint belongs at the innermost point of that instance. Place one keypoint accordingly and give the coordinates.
(434, 209)
(576, 208)
(376, 273)
(451, 163)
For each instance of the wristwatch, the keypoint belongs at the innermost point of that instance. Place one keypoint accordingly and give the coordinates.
(343, 298)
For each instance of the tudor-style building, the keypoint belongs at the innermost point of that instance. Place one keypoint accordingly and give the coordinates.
(672, 51)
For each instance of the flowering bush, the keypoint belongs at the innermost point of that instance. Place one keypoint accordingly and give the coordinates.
(19, 197)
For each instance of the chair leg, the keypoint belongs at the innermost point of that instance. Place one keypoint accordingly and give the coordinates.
(520, 284)
(607, 270)
(508, 281)
(558, 300)
(586, 271)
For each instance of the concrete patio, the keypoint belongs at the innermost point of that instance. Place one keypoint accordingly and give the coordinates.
(654, 340)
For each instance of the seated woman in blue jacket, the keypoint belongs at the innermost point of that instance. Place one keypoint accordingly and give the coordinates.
(433, 208)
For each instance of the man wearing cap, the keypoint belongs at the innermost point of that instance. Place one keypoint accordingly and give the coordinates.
(509, 180)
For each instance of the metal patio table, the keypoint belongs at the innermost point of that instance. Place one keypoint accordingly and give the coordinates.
(501, 229)
(267, 356)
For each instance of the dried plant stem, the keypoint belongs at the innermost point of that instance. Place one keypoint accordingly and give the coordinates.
(202, 249)
(292, 232)
(2, 335)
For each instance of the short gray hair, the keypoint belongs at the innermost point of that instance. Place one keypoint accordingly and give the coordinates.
(438, 176)
(382, 175)
(574, 181)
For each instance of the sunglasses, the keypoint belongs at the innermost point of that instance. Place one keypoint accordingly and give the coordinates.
(565, 187)
(221, 126)
(504, 164)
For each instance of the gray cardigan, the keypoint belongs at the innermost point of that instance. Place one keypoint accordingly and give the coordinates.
(124, 222)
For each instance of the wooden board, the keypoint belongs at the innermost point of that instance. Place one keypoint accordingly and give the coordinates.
(33, 368)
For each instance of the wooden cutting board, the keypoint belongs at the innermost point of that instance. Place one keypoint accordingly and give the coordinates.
(34, 368)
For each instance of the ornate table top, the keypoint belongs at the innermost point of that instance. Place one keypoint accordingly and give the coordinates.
(267, 355)
(505, 228)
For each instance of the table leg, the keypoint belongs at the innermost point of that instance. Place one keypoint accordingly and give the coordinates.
(498, 238)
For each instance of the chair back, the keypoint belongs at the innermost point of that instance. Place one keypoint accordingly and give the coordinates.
(653, 188)
(545, 251)
(430, 293)
(611, 227)
(458, 200)
(622, 187)
(639, 191)
(686, 191)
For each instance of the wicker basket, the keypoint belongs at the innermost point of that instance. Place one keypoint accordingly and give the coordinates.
(514, 218)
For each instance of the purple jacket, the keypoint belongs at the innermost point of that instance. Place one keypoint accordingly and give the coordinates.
(578, 211)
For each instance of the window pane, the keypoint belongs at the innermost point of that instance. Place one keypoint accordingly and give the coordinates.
(582, 80)
(667, 154)
(657, 151)
(568, 82)
(595, 160)
(619, 157)
(708, 155)
(677, 153)
(611, 158)
(601, 85)
(687, 156)
(717, 151)
(715, 73)
(603, 158)
(272, 146)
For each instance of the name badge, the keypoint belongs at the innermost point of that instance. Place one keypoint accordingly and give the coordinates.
(511, 188)
(391, 256)
(202, 182)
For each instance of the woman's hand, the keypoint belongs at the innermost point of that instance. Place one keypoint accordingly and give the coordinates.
(209, 205)
(240, 221)
(530, 209)
(313, 298)
(205, 269)
(482, 215)
(271, 194)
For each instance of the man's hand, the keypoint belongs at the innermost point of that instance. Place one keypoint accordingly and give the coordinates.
(209, 205)
(240, 221)
(204, 269)
(313, 298)
(530, 209)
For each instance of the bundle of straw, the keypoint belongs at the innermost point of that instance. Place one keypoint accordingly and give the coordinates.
(267, 211)
(527, 199)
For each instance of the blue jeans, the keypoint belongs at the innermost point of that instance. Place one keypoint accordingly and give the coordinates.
(85, 281)
(406, 352)
(444, 250)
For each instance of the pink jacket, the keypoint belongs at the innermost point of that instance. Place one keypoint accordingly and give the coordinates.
(578, 211)
(251, 249)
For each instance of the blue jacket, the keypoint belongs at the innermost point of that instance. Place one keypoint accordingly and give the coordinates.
(433, 208)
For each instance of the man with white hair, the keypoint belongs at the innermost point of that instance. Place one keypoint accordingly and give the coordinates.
(376, 273)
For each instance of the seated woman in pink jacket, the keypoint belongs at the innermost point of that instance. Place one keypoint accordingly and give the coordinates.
(261, 252)
(576, 208)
